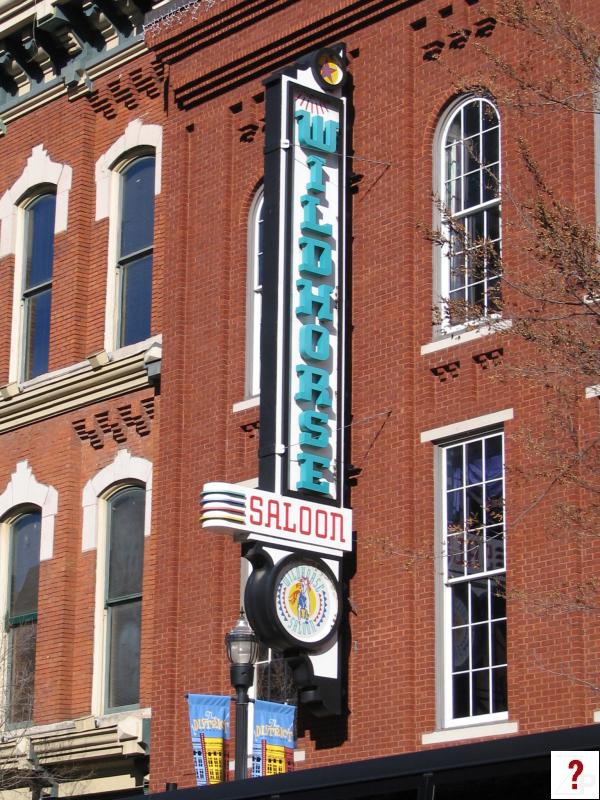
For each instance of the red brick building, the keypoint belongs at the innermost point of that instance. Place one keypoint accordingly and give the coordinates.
(135, 231)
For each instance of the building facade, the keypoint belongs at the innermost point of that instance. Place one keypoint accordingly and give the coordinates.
(138, 254)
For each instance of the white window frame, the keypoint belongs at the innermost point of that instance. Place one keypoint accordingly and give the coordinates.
(22, 493)
(137, 141)
(40, 175)
(461, 434)
(125, 470)
(441, 253)
(253, 297)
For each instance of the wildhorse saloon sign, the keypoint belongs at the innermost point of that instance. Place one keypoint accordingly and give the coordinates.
(296, 526)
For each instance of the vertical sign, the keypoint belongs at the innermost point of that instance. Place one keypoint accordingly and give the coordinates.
(302, 448)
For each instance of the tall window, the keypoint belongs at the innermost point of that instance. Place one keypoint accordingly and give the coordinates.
(470, 196)
(22, 614)
(135, 250)
(38, 252)
(123, 600)
(474, 579)
(254, 295)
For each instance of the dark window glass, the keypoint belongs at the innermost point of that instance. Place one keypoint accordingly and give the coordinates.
(472, 179)
(137, 206)
(37, 284)
(126, 560)
(25, 564)
(460, 695)
(22, 614)
(477, 660)
(124, 671)
(126, 511)
(22, 646)
(274, 679)
(136, 250)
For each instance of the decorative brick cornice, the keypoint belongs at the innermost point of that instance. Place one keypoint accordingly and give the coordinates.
(128, 89)
(328, 24)
(445, 371)
(97, 427)
(489, 358)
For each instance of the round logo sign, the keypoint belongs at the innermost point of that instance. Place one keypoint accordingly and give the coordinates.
(329, 68)
(306, 600)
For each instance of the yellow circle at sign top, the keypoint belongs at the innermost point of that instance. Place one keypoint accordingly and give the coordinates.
(330, 72)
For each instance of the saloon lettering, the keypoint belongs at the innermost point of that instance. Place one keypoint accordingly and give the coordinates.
(283, 516)
(314, 288)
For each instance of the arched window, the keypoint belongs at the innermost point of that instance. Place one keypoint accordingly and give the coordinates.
(254, 293)
(125, 515)
(470, 198)
(36, 298)
(22, 612)
(135, 249)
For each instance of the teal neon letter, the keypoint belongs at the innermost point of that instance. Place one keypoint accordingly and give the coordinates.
(316, 256)
(313, 427)
(309, 298)
(317, 182)
(313, 381)
(311, 133)
(310, 222)
(311, 467)
(314, 343)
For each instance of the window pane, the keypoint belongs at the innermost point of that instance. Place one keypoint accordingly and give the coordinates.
(498, 598)
(460, 608)
(136, 300)
(137, 206)
(454, 467)
(460, 695)
(460, 649)
(479, 601)
(260, 242)
(491, 152)
(472, 189)
(491, 183)
(481, 692)
(25, 564)
(124, 654)
(499, 690)
(22, 642)
(479, 646)
(39, 227)
(494, 549)
(472, 154)
(499, 642)
(126, 537)
(37, 334)
(274, 681)
(493, 457)
(471, 117)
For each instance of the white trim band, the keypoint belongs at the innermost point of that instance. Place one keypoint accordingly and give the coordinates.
(475, 423)
(465, 335)
(472, 732)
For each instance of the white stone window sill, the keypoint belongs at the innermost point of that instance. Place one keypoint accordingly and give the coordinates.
(597, 716)
(465, 335)
(251, 402)
(470, 732)
(592, 391)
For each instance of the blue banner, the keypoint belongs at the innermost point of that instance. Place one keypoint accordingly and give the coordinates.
(274, 740)
(209, 725)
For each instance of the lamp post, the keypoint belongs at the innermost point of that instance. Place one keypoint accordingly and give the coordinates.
(242, 650)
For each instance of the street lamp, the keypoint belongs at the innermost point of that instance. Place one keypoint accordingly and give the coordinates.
(242, 650)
